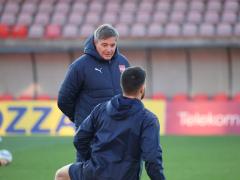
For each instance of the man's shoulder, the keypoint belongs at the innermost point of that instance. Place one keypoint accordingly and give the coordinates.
(122, 58)
(81, 60)
(100, 107)
(150, 116)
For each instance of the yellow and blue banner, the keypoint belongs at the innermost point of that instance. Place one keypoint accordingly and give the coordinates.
(44, 117)
(33, 117)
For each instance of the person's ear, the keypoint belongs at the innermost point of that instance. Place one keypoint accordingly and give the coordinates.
(142, 88)
(142, 91)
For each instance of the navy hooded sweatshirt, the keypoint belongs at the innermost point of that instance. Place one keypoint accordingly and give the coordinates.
(113, 140)
(89, 81)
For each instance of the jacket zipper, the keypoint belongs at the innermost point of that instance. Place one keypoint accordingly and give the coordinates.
(111, 76)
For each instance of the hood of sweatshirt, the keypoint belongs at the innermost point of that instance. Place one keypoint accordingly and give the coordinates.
(120, 107)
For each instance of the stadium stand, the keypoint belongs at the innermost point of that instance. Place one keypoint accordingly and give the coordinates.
(177, 18)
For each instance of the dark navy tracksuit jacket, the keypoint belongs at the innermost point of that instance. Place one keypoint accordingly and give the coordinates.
(119, 133)
(89, 81)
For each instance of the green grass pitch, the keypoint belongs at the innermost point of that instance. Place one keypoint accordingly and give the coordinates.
(185, 158)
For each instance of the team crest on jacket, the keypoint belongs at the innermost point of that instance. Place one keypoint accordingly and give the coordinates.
(122, 68)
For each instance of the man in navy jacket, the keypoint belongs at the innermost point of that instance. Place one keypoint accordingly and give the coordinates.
(94, 77)
(117, 136)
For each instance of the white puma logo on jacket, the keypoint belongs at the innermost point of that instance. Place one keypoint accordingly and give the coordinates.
(100, 69)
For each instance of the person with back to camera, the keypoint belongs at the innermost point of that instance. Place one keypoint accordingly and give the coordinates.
(120, 133)
(94, 77)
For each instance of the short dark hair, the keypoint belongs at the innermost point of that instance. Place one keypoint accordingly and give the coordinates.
(132, 79)
(105, 31)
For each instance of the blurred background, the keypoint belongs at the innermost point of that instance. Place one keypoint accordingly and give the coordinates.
(189, 48)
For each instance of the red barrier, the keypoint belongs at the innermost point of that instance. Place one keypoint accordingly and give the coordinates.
(203, 118)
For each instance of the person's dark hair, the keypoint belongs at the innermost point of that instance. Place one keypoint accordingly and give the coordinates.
(132, 79)
(105, 31)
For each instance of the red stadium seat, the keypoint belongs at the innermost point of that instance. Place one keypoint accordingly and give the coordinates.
(220, 97)
(43, 97)
(159, 96)
(53, 31)
(6, 97)
(4, 31)
(236, 97)
(180, 97)
(200, 97)
(19, 31)
(25, 97)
